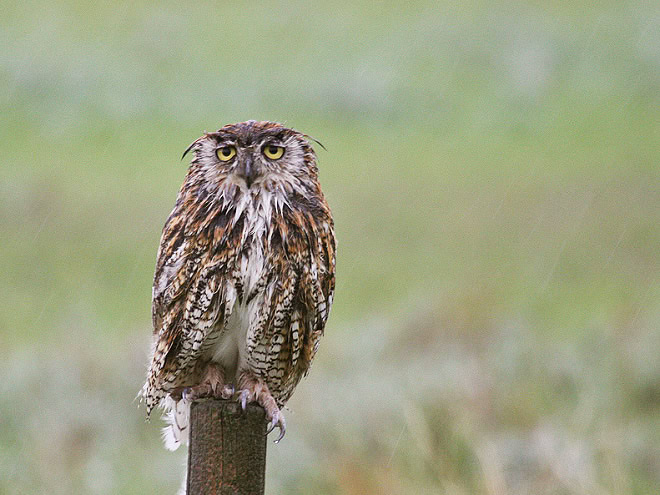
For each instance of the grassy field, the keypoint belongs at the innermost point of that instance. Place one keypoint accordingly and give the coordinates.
(494, 171)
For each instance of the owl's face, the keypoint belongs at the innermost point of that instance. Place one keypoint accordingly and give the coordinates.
(255, 155)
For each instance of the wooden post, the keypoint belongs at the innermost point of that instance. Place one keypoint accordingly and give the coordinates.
(227, 450)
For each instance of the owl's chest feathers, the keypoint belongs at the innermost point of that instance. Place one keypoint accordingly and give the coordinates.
(228, 343)
(251, 252)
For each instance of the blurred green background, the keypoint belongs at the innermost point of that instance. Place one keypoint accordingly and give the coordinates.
(494, 171)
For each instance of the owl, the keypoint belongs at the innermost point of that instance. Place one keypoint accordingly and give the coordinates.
(244, 278)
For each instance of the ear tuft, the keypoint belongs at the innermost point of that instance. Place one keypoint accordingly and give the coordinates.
(316, 141)
(192, 146)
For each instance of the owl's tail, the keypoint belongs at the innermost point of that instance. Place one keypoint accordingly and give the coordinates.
(177, 417)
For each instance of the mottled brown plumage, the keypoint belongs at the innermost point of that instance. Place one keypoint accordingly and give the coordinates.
(245, 274)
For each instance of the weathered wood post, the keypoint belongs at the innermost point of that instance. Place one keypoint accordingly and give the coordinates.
(227, 449)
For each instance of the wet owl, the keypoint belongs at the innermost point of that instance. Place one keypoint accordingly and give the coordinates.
(245, 275)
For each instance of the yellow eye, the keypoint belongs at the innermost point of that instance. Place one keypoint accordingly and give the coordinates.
(226, 153)
(273, 152)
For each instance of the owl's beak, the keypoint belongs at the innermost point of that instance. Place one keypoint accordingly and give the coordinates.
(248, 171)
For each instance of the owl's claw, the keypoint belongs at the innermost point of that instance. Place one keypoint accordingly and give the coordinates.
(212, 384)
(271, 426)
(194, 393)
(253, 389)
(186, 393)
(282, 432)
(278, 420)
(243, 397)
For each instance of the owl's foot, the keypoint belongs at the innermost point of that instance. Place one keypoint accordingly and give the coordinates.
(253, 389)
(212, 385)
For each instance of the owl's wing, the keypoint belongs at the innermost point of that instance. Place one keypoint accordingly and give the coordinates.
(191, 294)
(317, 287)
(283, 339)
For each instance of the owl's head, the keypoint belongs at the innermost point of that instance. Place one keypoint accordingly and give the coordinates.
(255, 155)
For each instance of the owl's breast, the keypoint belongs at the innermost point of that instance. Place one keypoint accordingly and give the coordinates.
(250, 271)
(252, 251)
(228, 343)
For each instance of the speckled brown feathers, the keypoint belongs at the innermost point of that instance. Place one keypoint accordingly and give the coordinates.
(244, 278)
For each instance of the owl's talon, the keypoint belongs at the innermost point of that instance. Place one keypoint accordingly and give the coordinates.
(278, 420)
(253, 389)
(271, 426)
(244, 398)
(282, 425)
(186, 392)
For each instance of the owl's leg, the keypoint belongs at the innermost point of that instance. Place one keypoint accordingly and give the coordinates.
(253, 389)
(212, 384)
